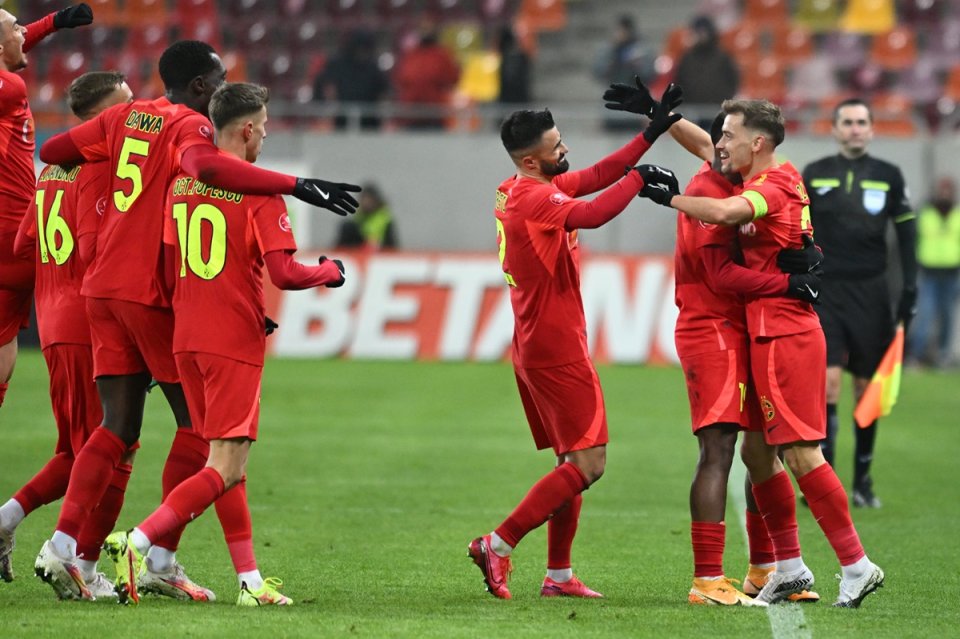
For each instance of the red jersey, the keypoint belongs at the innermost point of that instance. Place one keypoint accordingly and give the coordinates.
(708, 320)
(541, 263)
(781, 214)
(218, 297)
(63, 215)
(143, 142)
(17, 147)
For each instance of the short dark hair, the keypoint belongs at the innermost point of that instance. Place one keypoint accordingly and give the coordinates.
(88, 89)
(185, 60)
(523, 129)
(852, 102)
(761, 115)
(235, 100)
(716, 127)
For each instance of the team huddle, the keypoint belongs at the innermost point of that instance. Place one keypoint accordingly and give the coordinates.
(146, 243)
(143, 244)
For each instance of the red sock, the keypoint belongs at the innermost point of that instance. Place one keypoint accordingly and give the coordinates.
(188, 455)
(778, 505)
(234, 515)
(103, 519)
(48, 485)
(708, 540)
(553, 490)
(92, 471)
(828, 504)
(3, 391)
(561, 529)
(761, 546)
(184, 504)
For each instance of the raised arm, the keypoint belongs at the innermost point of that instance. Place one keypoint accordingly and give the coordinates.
(77, 15)
(693, 139)
(606, 206)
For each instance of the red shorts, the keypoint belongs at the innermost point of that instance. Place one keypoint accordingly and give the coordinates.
(564, 406)
(73, 394)
(131, 338)
(14, 313)
(223, 395)
(790, 373)
(719, 389)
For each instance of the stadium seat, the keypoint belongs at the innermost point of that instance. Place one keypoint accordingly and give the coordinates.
(396, 11)
(792, 44)
(845, 49)
(763, 77)
(451, 10)
(201, 27)
(295, 8)
(677, 41)
(922, 81)
(346, 12)
(868, 16)
(462, 38)
(896, 49)
(943, 43)
(542, 15)
(922, 13)
(724, 13)
(194, 9)
(236, 66)
(893, 115)
(742, 42)
(497, 11)
(66, 66)
(106, 12)
(762, 13)
(141, 11)
(818, 15)
(149, 39)
(813, 80)
(951, 88)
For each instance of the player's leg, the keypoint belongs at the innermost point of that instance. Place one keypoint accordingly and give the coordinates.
(564, 407)
(8, 358)
(561, 530)
(828, 504)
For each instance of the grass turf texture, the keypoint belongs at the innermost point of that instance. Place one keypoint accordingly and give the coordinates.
(371, 478)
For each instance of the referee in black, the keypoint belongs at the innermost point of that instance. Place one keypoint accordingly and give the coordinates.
(853, 198)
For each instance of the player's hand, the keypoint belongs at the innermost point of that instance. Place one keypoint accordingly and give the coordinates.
(343, 272)
(77, 15)
(269, 326)
(662, 117)
(805, 260)
(907, 307)
(623, 97)
(804, 287)
(334, 196)
(659, 184)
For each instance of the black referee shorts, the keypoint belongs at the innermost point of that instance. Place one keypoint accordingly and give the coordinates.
(857, 322)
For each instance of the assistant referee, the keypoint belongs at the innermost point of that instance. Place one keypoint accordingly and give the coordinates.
(853, 198)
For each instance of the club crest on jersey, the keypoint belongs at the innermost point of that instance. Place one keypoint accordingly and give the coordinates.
(874, 200)
(559, 198)
(749, 229)
(205, 131)
(102, 206)
(768, 412)
(284, 222)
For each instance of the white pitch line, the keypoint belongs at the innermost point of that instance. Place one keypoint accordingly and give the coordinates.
(786, 620)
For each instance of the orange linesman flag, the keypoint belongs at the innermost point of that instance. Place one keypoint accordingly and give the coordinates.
(882, 391)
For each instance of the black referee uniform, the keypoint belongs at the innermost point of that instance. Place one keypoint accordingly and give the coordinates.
(852, 201)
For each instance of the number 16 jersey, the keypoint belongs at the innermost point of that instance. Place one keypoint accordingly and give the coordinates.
(143, 141)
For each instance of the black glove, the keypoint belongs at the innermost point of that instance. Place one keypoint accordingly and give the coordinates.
(805, 260)
(805, 287)
(269, 326)
(343, 272)
(659, 184)
(327, 195)
(77, 15)
(907, 307)
(623, 97)
(662, 118)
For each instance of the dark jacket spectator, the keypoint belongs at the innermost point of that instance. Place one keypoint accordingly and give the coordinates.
(352, 76)
(707, 73)
(514, 69)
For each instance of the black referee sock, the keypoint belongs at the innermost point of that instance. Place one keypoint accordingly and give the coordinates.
(828, 445)
(863, 456)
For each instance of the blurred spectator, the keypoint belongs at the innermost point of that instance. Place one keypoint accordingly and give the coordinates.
(425, 76)
(514, 69)
(372, 227)
(626, 55)
(352, 78)
(938, 254)
(707, 73)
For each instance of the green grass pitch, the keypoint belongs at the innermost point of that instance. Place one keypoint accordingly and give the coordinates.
(370, 479)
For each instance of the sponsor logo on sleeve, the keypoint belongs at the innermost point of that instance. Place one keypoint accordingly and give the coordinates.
(559, 198)
(285, 225)
(206, 132)
(102, 206)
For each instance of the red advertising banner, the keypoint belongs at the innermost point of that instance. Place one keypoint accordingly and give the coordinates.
(442, 306)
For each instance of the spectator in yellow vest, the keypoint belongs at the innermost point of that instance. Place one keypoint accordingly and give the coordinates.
(372, 228)
(938, 254)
